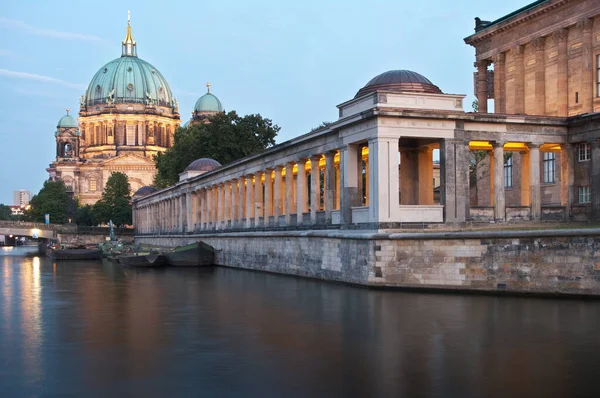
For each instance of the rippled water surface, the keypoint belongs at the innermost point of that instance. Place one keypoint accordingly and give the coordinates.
(95, 329)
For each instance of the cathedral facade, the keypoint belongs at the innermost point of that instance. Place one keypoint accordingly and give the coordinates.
(127, 115)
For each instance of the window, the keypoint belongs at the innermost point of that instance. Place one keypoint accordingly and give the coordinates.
(93, 185)
(508, 173)
(549, 167)
(585, 194)
(130, 134)
(585, 152)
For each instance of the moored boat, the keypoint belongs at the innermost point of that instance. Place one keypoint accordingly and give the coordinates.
(196, 254)
(143, 260)
(74, 254)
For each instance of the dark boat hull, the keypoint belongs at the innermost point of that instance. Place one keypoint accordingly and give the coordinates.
(146, 260)
(197, 254)
(74, 254)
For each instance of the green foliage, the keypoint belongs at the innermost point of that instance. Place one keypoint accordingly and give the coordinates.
(320, 126)
(52, 199)
(115, 204)
(226, 138)
(5, 212)
(475, 105)
(85, 216)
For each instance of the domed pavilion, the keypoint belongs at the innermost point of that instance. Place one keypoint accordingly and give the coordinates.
(127, 115)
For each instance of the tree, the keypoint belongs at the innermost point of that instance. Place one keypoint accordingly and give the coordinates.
(115, 204)
(226, 137)
(85, 216)
(5, 212)
(52, 199)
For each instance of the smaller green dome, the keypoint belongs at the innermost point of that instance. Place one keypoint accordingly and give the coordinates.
(208, 103)
(186, 123)
(67, 121)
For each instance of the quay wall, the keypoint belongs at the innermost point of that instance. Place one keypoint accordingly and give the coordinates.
(556, 262)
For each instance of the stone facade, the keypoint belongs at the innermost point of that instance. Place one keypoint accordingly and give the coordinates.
(541, 262)
(545, 59)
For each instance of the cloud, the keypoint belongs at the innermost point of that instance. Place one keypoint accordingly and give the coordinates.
(10, 23)
(40, 78)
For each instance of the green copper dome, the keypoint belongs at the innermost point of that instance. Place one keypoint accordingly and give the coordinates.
(208, 103)
(67, 121)
(128, 80)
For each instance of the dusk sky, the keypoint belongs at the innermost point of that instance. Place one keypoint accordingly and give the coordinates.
(292, 62)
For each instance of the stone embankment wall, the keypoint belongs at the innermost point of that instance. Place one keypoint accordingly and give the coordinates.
(542, 262)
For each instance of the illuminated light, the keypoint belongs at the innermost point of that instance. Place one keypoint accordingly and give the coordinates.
(519, 146)
(322, 161)
(479, 145)
(550, 148)
(10, 236)
(295, 168)
(365, 150)
(336, 158)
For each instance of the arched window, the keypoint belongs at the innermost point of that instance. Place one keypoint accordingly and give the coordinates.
(68, 150)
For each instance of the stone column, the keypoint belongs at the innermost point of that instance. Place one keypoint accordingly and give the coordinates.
(189, 213)
(447, 178)
(235, 195)
(482, 89)
(595, 179)
(500, 83)
(301, 192)
(525, 181)
(202, 194)
(278, 194)
(227, 200)
(329, 185)
(491, 166)
(587, 73)
(350, 195)
(315, 188)
(567, 177)
(519, 78)
(562, 95)
(384, 197)
(289, 192)
(209, 207)
(242, 202)
(499, 200)
(258, 198)
(180, 209)
(268, 211)
(425, 176)
(409, 174)
(539, 45)
(534, 181)
(249, 200)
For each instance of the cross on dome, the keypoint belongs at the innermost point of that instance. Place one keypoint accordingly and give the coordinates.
(208, 87)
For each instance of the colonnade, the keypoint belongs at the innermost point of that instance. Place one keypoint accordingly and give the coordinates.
(530, 176)
(304, 191)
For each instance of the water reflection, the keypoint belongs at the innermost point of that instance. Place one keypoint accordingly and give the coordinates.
(96, 327)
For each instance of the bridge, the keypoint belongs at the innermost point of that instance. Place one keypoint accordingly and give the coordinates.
(29, 229)
(63, 232)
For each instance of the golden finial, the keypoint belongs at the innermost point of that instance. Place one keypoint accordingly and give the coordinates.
(68, 111)
(129, 43)
(208, 87)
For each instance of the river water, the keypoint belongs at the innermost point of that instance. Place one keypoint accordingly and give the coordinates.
(96, 329)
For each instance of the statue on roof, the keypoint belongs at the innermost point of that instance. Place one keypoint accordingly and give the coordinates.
(111, 97)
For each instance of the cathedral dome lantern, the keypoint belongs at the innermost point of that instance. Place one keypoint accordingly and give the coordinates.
(399, 80)
(129, 80)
